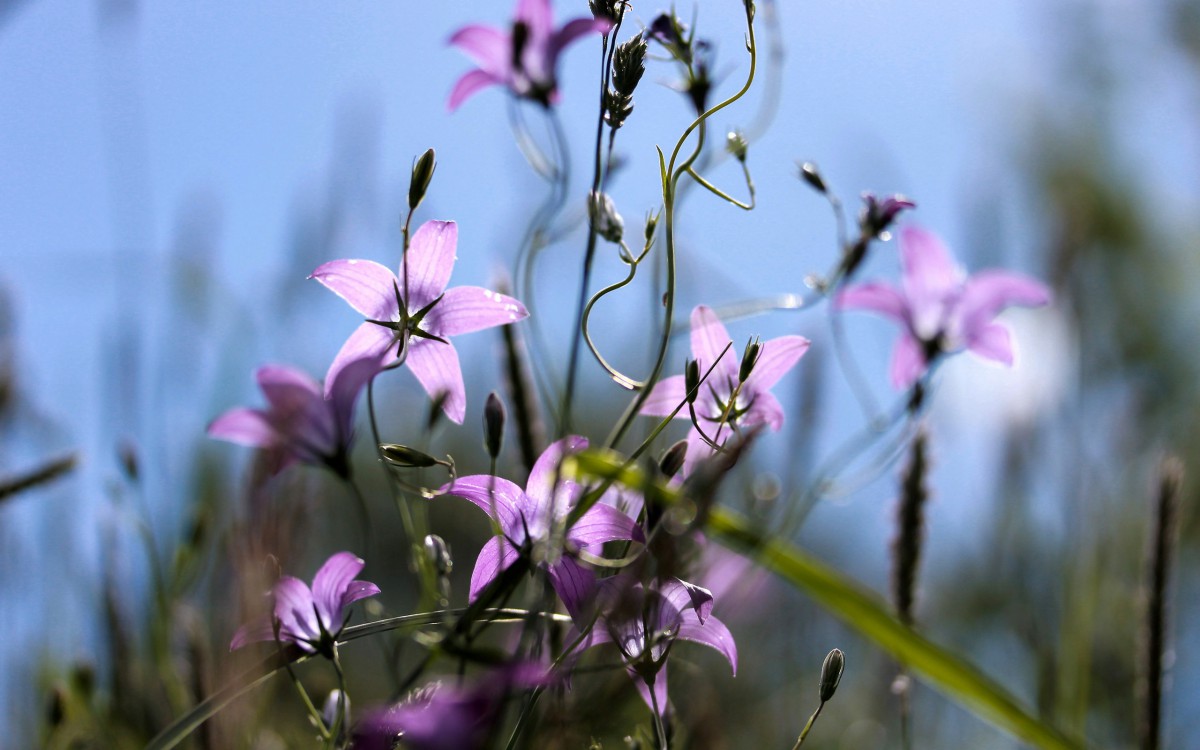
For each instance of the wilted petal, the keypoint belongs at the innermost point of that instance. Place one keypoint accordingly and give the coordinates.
(429, 262)
(495, 556)
(908, 362)
(545, 470)
(712, 633)
(471, 82)
(489, 47)
(466, 309)
(604, 523)
(368, 342)
(876, 297)
(573, 30)
(666, 396)
(330, 582)
(499, 498)
(574, 584)
(709, 339)
(993, 342)
(368, 286)
(776, 357)
(436, 366)
(245, 427)
(988, 293)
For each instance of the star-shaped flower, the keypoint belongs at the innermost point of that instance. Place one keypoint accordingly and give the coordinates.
(941, 309)
(526, 518)
(524, 58)
(724, 402)
(311, 618)
(301, 422)
(644, 623)
(415, 312)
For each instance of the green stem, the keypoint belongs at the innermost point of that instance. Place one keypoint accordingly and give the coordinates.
(811, 720)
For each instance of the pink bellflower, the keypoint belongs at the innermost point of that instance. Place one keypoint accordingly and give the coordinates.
(413, 315)
(522, 59)
(527, 517)
(941, 309)
(311, 618)
(303, 422)
(644, 623)
(753, 404)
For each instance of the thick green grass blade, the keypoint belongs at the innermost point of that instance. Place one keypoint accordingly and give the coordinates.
(857, 606)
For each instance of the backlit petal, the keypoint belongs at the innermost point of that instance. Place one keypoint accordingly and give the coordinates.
(666, 396)
(429, 263)
(499, 498)
(466, 309)
(466, 86)
(330, 582)
(368, 342)
(776, 357)
(876, 297)
(574, 29)
(712, 633)
(295, 611)
(765, 409)
(684, 596)
(908, 362)
(988, 293)
(709, 339)
(537, 15)
(436, 366)
(993, 342)
(574, 584)
(366, 285)
(497, 554)
(244, 427)
(930, 273)
(487, 46)
(545, 470)
(603, 523)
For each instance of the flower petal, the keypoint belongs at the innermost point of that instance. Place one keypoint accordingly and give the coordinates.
(497, 554)
(712, 633)
(429, 263)
(298, 411)
(776, 357)
(466, 309)
(487, 46)
(573, 30)
(330, 582)
(537, 15)
(684, 596)
(466, 86)
(930, 273)
(499, 498)
(908, 361)
(369, 342)
(660, 690)
(544, 471)
(698, 450)
(245, 427)
(261, 629)
(294, 608)
(366, 285)
(666, 396)
(709, 339)
(604, 523)
(347, 383)
(876, 297)
(574, 584)
(356, 590)
(993, 342)
(436, 366)
(987, 293)
(765, 409)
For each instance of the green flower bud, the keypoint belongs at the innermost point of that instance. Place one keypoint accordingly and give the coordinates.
(422, 175)
(692, 380)
(405, 457)
(810, 174)
(672, 460)
(749, 359)
(494, 416)
(831, 673)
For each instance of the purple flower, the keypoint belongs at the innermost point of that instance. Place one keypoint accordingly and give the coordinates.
(522, 59)
(526, 517)
(942, 310)
(302, 422)
(753, 403)
(311, 619)
(644, 623)
(416, 311)
(447, 717)
(877, 215)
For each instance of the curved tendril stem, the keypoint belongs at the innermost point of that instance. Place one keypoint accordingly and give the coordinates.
(721, 193)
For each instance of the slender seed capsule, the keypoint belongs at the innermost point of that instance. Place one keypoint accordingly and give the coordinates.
(831, 673)
(406, 457)
(494, 416)
(422, 175)
(692, 380)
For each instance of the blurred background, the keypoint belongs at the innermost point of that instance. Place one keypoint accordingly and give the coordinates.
(171, 173)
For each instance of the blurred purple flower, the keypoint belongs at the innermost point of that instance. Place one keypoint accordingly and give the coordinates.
(877, 215)
(416, 312)
(942, 310)
(447, 717)
(644, 623)
(525, 519)
(311, 619)
(523, 59)
(302, 422)
(754, 404)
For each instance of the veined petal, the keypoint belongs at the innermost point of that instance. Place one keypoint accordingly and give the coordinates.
(660, 690)
(573, 30)
(604, 523)
(368, 342)
(712, 633)
(908, 361)
(993, 342)
(666, 395)
(487, 46)
(876, 297)
(347, 383)
(988, 293)
(776, 357)
(356, 590)
(497, 554)
(366, 285)
(295, 611)
(330, 582)
(244, 426)
(499, 498)
(430, 261)
(541, 477)
(298, 409)
(468, 84)
(684, 596)
(436, 366)
(766, 409)
(709, 339)
(574, 584)
(466, 309)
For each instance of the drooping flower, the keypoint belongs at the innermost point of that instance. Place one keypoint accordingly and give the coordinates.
(302, 422)
(644, 623)
(439, 716)
(527, 517)
(522, 59)
(752, 401)
(415, 312)
(311, 618)
(941, 308)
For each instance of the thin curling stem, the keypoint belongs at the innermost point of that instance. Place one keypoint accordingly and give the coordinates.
(722, 194)
(621, 378)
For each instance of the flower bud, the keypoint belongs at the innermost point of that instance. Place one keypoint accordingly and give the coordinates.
(651, 226)
(438, 553)
(672, 460)
(736, 145)
(405, 457)
(691, 380)
(422, 175)
(810, 174)
(330, 710)
(831, 673)
(605, 219)
(749, 359)
(494, 416)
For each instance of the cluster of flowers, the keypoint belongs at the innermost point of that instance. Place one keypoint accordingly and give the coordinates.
(410, 318)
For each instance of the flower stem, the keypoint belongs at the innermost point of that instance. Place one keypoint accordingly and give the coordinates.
(811, 720)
